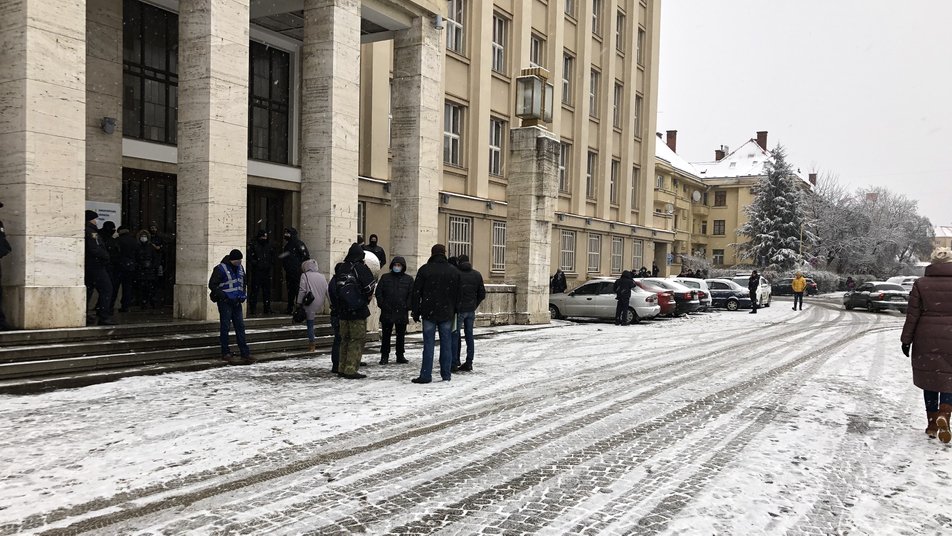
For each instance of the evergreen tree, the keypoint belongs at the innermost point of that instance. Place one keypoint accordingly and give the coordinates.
(776, 217)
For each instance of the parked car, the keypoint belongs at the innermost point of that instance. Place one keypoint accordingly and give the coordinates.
(685, 297)
(784, 287)
(904, 281)
(596, 299)
(728, 294)
(876, 296)
(704, 293)
(666, 299)
(763, 290)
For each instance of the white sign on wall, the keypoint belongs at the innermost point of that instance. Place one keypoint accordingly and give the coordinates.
(107, 212)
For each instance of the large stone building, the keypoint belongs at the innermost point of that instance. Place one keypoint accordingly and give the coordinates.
(214, 118)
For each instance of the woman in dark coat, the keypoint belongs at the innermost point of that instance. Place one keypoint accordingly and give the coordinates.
(928, 330)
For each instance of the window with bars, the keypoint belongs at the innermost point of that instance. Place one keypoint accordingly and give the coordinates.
(497, 130)
(594, 253)
(617, 104)
(640, 54)
(567, 251)
(613, 187)
(565, 162)
(591, 169)
(454, 25)
(639, 101)
(499, 247)
(150, 73)
(637, 254)
(536, 51)
(500, 31)
(635, 178)
(568, 74)
(620, 31)
(460, 236)
(596, 17)
(618, 254)
(720, 227)
(593, 93)
(452, 134)
(269, 103)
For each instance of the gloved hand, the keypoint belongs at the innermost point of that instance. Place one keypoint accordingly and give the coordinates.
(416, 317)
(905, 350)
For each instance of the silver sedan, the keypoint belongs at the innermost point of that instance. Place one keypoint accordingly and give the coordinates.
(596, 299)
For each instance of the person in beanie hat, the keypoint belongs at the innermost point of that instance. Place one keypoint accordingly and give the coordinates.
(927, 333)
(436, 296)
(227, 284)
(350, 296)
(96, 274)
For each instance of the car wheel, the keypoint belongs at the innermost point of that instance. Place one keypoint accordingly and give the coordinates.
(554, 312)
(848, 306)
(633, 317)
(732, 305)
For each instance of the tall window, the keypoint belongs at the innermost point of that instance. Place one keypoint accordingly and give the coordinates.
(719, 227)
(269, 103)
(500, 29)
(361, 218)
(568, 73)
(497, 130)
(635, 178)
(567, 251)
(704, 227)
(570, 8)
(150, 73)
(565, 160)
(460, 236)
(640, 54)
(590, 174)
(454, 25)
(659, 182)
(637, 254)
(613, 191)
(596, 17)
(499, 247)
(536, 51)
(616, 105)
(720, 198)
(620, 31)
(718, 257)
(639, 100)
(618, 254)
(452, 131)
(594, 253)
(593, 93)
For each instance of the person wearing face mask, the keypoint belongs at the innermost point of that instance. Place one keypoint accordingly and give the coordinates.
(393, 294)
(376, 250)
(260, 263)
(147, 266)
(294, 254)
(227, 285)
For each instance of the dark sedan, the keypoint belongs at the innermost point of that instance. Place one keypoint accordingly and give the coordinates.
(784, 287)
(686, 298)
(728, 294)
(877, 296)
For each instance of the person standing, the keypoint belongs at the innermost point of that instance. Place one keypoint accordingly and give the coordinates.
(97, 259)
(557, 284)
(654, 269)
(798, 285)
(260, 264)
(5, 250)
(335, 318)
(227, 284)
(850, 284)
(927, 332)
(313, 282)
(125, 268)
(435, 300)
(643, 272)
(623, 286)
(294, 254)
(108, 239)
(350, 296)
(393, 297)
(472, 292)
(147, 270)
(374, 248)
(160, 245)
(752, 284)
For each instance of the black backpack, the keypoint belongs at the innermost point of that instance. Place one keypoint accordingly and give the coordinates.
(350, 298)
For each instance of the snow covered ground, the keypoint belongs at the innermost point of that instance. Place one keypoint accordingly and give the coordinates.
(722, 423)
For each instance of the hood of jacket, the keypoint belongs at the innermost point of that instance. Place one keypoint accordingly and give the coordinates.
(465, 266)
(627, 274)
(939, 269)
(293, 232)
(309, 265)
(401, 261)
(355, 253)
(341, 268)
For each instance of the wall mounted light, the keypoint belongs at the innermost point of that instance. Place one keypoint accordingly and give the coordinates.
(561, 216)
(588, 221)
(438, 22)
(534, 95)
(445, 199)
(108, 124)
(489, 205)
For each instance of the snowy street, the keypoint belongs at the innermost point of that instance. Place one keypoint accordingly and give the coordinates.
(721, 423)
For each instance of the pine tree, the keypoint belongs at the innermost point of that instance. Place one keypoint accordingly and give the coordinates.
(776, 217)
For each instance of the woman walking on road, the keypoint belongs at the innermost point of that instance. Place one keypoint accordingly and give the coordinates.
(928, 330)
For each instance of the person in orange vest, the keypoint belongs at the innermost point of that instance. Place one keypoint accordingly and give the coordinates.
(799, 285)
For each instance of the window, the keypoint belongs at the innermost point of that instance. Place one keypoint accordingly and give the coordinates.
(570, 8)
(500, 30)
(567, 251)
(460, 236)
(361, 218)
(390, 115)
(640, 53)
(704, 227)
(536, 51)
(269, 103)
(613, 187)
(659, 182)
(637, 254)
(719, 227)
(149, 73)
(704, 198)
(616, 105)
(720, 198)
(618, 253)
(639, 100)
(565, 160)
(454, 25)
(568, 74)
(620, 31)
(593, 94)
(635, 177)
(499, 247)
(452, 131)
(596, 17)
(497, 130)
(718, 258)
(674, 184)
(594, 253)
(590, 174)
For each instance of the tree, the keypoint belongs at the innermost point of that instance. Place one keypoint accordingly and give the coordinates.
(776, 218)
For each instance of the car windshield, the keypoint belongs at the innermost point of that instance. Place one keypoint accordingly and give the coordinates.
(889, 286)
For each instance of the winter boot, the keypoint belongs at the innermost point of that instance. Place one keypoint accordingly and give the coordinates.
(311, 347)
(942, 423)
(932, 430)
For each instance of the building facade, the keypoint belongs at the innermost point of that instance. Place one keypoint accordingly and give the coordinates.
(943, 236)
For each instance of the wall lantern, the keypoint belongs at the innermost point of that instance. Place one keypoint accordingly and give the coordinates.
(534, 96)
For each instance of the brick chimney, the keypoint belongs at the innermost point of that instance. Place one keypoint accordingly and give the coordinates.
(813, 179)
(762, 139)
(672, 140)
(719, 155)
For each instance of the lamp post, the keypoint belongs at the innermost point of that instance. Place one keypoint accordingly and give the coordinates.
(534, 97)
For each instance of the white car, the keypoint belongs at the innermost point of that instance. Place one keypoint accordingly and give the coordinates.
(596, 299)
(763, 290)
(904, 281)
(696, 284)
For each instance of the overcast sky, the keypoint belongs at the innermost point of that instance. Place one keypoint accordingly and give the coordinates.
(859, 88)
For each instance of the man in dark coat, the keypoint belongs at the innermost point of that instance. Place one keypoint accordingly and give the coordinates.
(260, 265)
(148, 261)
(125, 267)
(376, 250)
(623, 287)
(97, 278)
(752, 284)
(161, 244)
(295, 252)
(109, 241)
(558, 285)
(227, 284)
(352, 274)
(393, 297)
(472, 292)
(5, 250)
(436, 301)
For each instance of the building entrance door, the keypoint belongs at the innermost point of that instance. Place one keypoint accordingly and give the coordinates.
(266, 211)
(148, 200)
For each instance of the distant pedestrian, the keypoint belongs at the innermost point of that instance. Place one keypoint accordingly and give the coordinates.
(295, 252)
(126, 268)
(643, 272)
(147, 270)
(96, 275)
(374, 248)
(160, 243)
(928, 330)
(436, 300)
(312, 293)
(394, 292)
(799, 285)
(752, 284)
(335, 318)
(351, 293)
(472, 292)
(623, 287)
(5, 250)
(558, 285)
(850, 284)
(227, 284)
(260, 268)
(107, 237)
(654, 269)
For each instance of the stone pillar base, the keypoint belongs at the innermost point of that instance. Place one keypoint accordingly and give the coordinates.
(45, 307)
(524, 319)
(192, 303)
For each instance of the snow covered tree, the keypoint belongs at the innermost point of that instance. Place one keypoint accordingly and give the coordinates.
(776, 218)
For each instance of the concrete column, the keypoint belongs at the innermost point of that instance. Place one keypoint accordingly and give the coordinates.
(103, 99)
(212, 178)
(417, 168)
(330, 119)
(43, 161)
(532, 192)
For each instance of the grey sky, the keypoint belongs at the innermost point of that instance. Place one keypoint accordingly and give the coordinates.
(860, 88)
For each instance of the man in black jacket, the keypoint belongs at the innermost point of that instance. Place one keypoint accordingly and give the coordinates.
(622, 288)
(128, 248)
(295, 252)
(393, 297)
(260, 264)
(97, 259)
(374, 248)
(436, 300)
(557, 284)
(752, 284)
(350, 296)
(472, 292)
(5, 249)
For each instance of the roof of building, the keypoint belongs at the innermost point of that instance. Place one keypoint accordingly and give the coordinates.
(748, 160)
(943, 231)
(663, 152)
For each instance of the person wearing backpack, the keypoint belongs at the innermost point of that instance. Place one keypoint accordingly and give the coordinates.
(436, 300)
(393, 297)
(350, 296)
(227, 284)
(312, 292)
